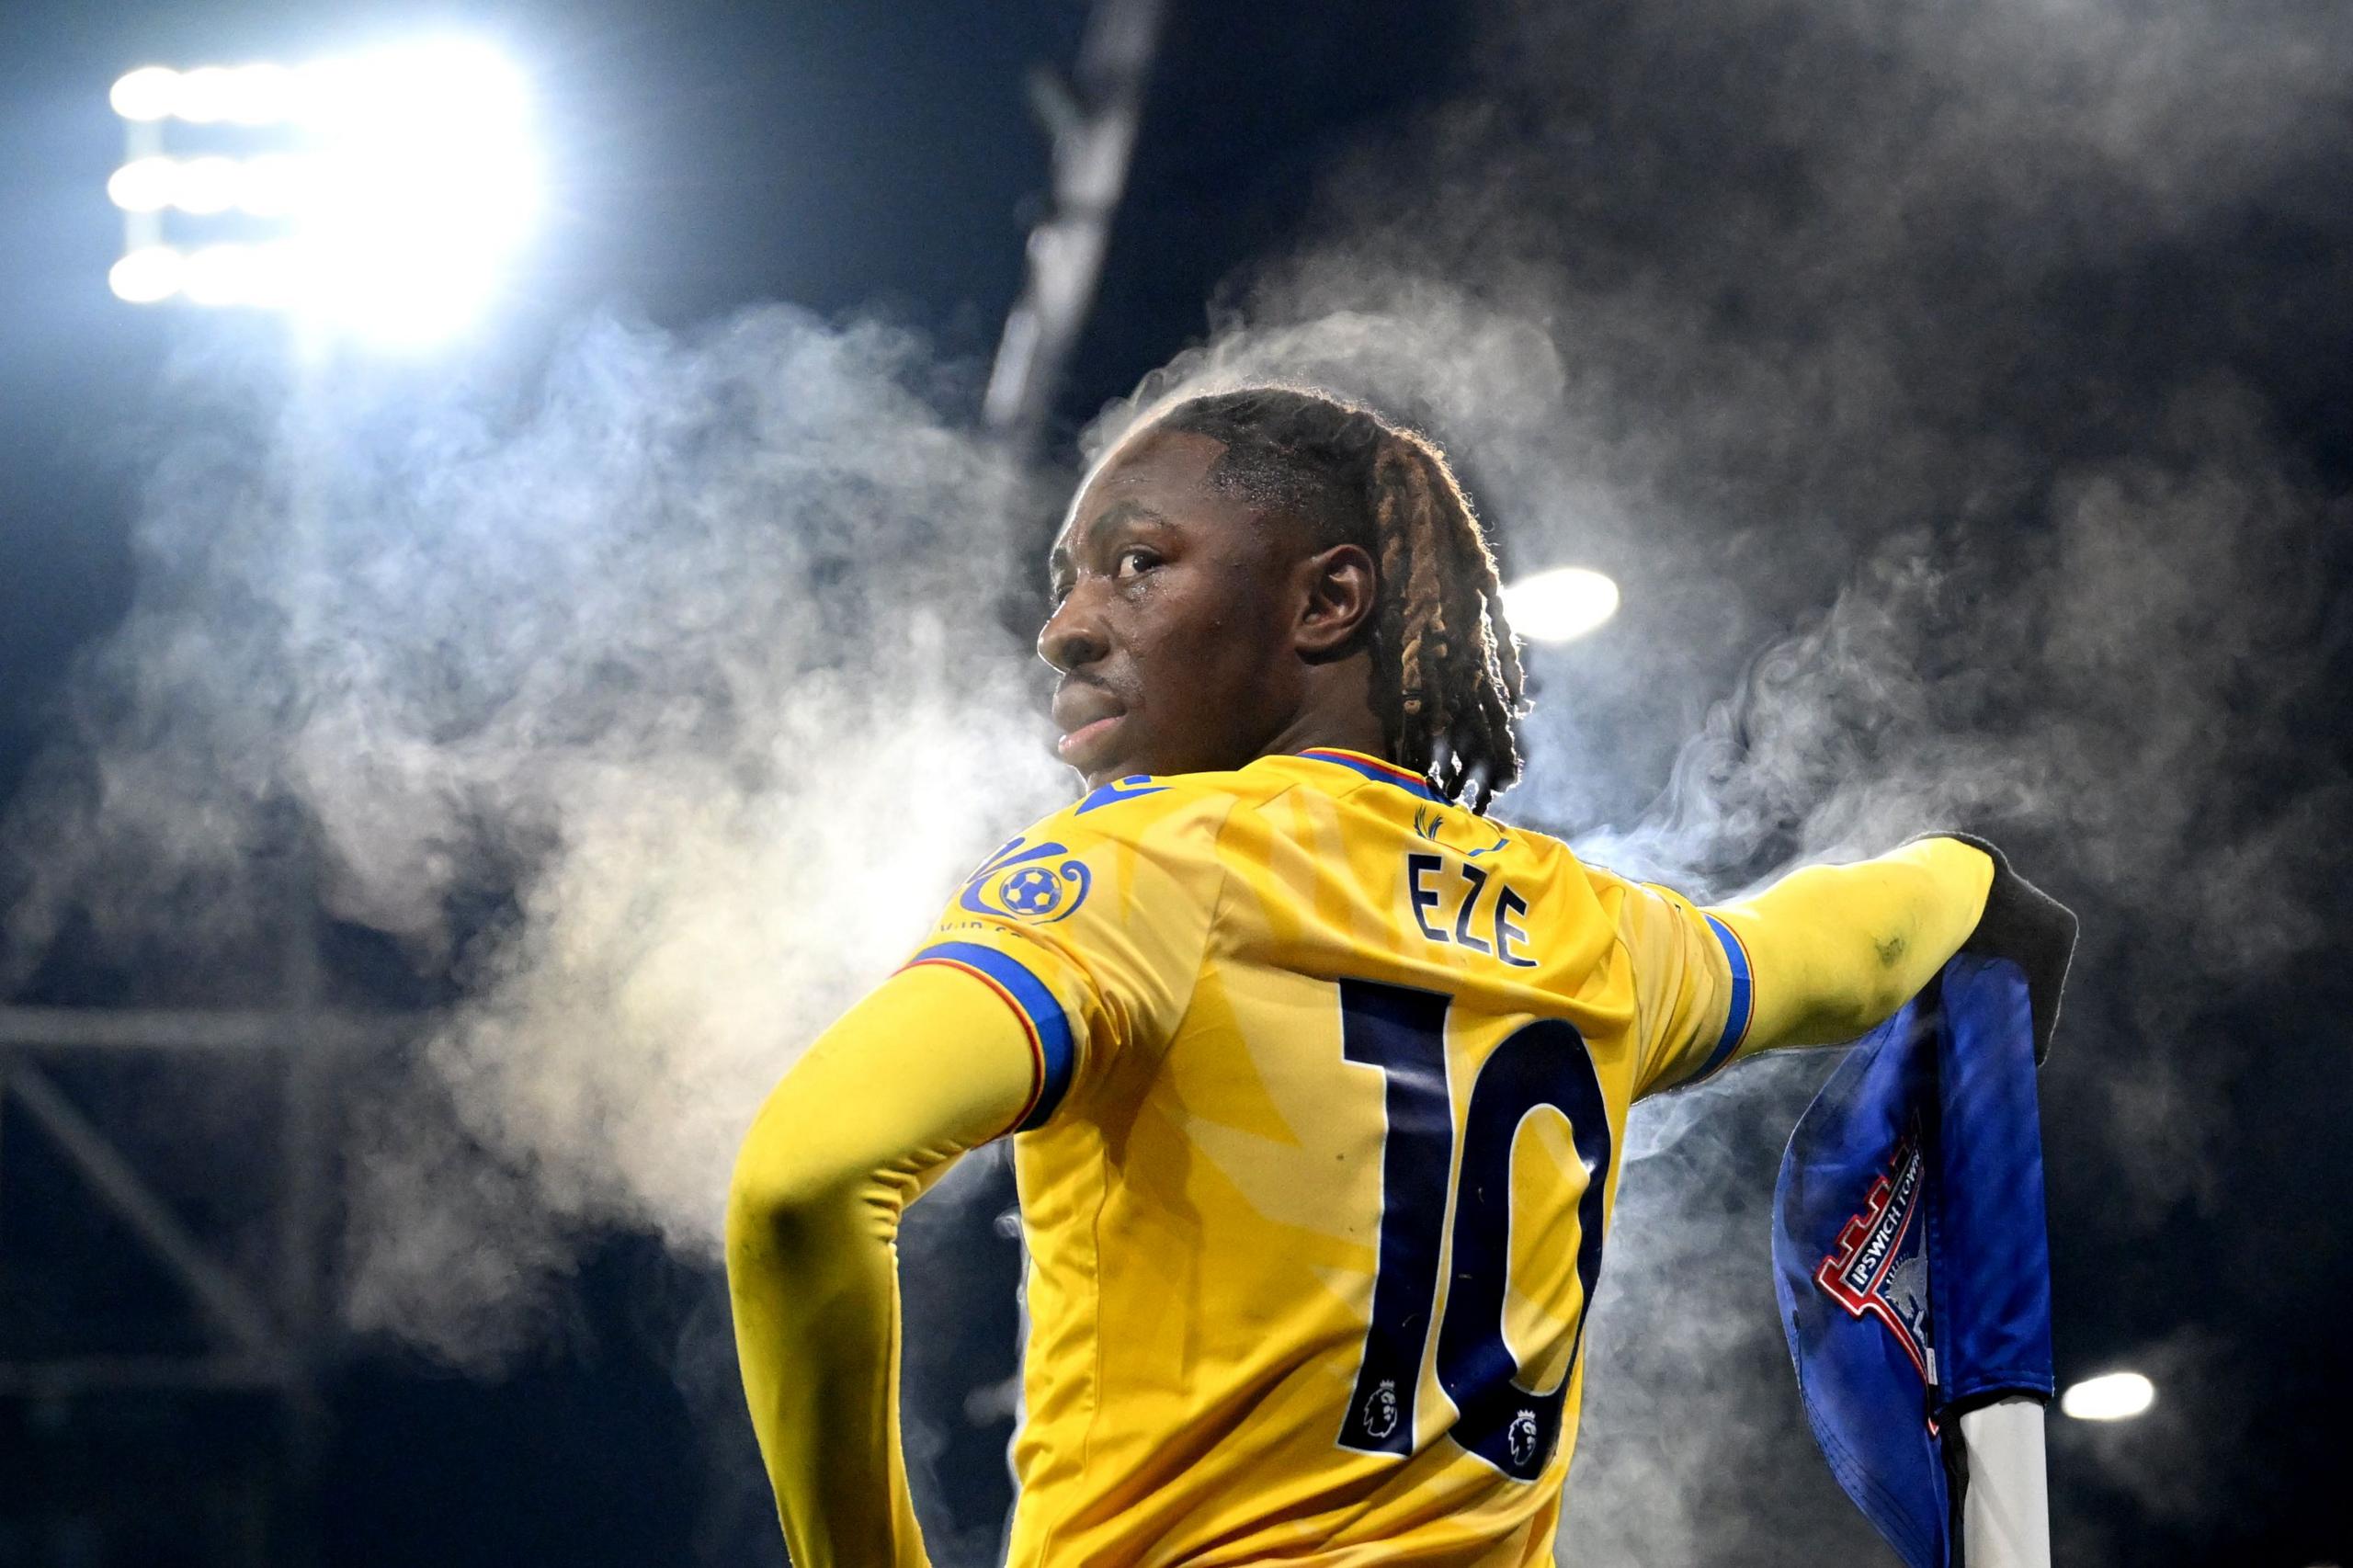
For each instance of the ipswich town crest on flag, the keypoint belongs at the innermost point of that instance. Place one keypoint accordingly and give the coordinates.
(1909, 1248)
(1880, 1269)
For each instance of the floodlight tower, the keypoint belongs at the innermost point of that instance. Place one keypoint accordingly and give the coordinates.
(1091, 122)
(381, 198)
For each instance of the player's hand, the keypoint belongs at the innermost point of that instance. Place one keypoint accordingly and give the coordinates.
(2030, 928)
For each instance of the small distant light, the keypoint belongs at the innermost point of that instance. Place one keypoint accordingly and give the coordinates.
(270, 186)
(1560, 605)
(258, 95)
(205, 186)
(274, 275)
(2116, 1396)
(241, 94)
(448, 83)
(220, 275)
(147, 275)
(327, 90)
(146, 93)
(273, 184)
(143, 184)
(205, 95)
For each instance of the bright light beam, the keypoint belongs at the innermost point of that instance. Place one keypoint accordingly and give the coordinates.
(2115, 1396)
(1561, 605)
(402, 185)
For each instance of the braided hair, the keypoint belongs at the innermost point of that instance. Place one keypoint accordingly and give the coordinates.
(1447, 680)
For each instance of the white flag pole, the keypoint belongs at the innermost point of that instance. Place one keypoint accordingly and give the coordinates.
(2006, 1512)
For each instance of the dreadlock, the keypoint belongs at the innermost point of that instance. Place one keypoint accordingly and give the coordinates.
(1447, 680)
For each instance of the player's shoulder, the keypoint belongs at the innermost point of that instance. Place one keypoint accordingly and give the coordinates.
(1145, 805)
(1169, 820)
(1143, 836)
(1534, 859)
(1553, 863)
(1632, 903)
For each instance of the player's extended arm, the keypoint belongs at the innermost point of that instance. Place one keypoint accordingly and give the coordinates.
(1836, 949)
(929, 1066)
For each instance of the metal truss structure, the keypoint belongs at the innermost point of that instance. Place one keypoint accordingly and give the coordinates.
(1092, 121)
(262, 1337)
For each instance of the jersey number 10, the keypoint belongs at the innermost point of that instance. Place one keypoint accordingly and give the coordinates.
(1402, 1032)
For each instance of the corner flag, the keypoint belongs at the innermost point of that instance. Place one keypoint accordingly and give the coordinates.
(1913, 1264)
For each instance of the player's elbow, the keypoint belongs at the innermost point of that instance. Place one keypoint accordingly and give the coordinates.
(1837, 1009)
(781, 1190)
(1884, 986)
(758, 1209)
(780, 1225)
(1872, 1009)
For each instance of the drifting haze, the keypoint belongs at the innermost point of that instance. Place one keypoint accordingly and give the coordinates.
(629, 699)
(622, 695)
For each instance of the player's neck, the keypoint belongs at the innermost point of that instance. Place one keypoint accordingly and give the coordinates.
(1338, 714)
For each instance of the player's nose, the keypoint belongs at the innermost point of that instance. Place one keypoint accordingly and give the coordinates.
(1073, 636)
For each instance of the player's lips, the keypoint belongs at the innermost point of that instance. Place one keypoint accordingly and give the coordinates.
(1073, 745)
(1086, 715)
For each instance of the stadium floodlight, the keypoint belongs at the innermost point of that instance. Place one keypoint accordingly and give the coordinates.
(397, 187)
(148, 274)
(273, 184)
(1561, 605)
(143, 184)
(146, 93)
(217, 275)
(2113, 1397)
(206, 185)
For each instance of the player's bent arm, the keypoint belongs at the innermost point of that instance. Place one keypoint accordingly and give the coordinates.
(1834, 950)
(932, 1064)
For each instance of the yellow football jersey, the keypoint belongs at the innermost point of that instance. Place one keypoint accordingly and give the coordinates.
(1332, 1083)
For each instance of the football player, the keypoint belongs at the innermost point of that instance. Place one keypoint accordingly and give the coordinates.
(1317, 1076)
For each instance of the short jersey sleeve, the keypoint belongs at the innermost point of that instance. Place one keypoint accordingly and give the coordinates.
(1091, 926)
(1692, 983)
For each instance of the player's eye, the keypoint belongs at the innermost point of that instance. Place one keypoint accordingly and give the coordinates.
(1134, 562)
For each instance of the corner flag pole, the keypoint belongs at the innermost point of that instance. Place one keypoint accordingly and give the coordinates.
(2006, 1510)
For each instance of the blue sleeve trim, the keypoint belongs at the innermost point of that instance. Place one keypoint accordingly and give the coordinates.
(1111, 794)
(1736, 1015)
(1056, 1050)
(1379, 772)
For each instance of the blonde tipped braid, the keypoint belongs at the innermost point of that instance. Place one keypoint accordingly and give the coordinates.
(1422, 516)
(1401, 520)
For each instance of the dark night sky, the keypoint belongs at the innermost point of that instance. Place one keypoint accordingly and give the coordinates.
(871, 157)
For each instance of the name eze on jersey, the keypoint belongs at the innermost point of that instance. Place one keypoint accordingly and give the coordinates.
(1467, 906)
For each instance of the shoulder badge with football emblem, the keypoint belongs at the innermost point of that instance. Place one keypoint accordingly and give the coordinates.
(1023, 882)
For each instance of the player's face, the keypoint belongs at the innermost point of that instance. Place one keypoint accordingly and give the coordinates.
(1171, 618)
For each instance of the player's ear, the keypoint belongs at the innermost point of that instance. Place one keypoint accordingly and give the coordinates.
(1336, 600)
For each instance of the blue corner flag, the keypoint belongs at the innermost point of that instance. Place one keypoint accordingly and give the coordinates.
(1909, 1246)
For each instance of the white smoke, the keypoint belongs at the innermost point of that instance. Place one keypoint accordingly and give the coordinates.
(688, 647)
